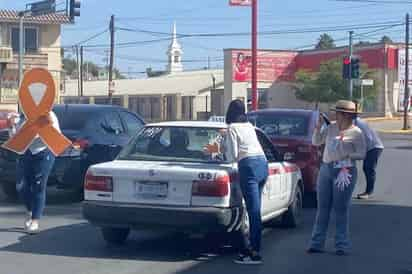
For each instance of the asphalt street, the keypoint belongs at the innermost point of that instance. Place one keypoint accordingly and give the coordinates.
(381, 231)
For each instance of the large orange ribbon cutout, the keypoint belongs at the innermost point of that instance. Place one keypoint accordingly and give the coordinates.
(36, 95)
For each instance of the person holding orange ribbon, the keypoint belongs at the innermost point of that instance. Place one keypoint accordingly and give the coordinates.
(35, 164)
(344, 145)
(37, 138)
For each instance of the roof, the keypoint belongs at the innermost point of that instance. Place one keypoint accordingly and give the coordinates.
(188, 83)
(283, 111)
(12, 16)
(87, 107)
(200, 124)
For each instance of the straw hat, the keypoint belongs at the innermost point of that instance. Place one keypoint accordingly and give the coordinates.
(345, 106)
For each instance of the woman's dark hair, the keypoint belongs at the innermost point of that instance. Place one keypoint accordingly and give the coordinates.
(236, 112)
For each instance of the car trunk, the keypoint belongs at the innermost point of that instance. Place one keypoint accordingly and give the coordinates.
(155, 183)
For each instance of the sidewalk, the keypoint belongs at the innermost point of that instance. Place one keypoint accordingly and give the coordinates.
(389, 125)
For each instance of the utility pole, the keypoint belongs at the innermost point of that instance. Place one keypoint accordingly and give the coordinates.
(78, 71)
(350, 67)
(21, 45)
(81, 71)
(254, 54)
(406, 94)
(112, 30)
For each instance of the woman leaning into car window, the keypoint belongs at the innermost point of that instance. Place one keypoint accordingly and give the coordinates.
(242, 145)
(344, 144)
(35, 165)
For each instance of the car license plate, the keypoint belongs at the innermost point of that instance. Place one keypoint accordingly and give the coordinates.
(152, 189)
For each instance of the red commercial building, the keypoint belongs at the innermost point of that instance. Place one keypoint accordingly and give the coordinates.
(277, 69)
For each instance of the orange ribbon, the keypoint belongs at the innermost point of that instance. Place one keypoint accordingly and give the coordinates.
(34, 108)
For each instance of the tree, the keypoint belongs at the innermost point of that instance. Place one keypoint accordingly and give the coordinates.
(327, 85)
(363, 43)
(70, 67)
(325, 41)
(386, 39)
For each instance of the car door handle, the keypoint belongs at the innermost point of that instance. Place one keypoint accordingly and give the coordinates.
(112, 145)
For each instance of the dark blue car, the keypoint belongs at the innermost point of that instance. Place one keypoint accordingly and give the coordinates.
(98, 133)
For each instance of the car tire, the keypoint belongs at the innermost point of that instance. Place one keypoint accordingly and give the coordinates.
(9, 189)
(292, 217)
(115, 236)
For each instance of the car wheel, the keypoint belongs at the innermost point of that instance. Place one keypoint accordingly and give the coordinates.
(9, 188)
(115, 236)
(292, 217)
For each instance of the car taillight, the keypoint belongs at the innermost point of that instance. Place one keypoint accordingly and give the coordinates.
(80, 144)
(219, 187)
(98, 183)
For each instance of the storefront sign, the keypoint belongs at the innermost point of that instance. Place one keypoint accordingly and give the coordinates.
(271, 66)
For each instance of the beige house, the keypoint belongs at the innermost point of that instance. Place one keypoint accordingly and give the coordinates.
(42, 49)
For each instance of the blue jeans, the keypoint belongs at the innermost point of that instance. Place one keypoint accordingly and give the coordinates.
(36, 169)
(253, 172)
(329, 196)
(369, 168)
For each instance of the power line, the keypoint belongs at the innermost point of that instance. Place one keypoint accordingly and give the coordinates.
(92, 37)
(374, 1)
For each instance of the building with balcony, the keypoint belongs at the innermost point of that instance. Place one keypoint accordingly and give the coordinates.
(42, 44)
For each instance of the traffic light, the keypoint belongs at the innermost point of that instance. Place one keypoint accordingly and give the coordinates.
(346, 66)
(355, 67)
(74, 9)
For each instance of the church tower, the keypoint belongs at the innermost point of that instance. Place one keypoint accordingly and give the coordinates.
(174, 55)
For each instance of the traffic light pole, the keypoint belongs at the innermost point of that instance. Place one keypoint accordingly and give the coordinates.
(406, 93)
(111, 59)
(254, 55)
(350, 67)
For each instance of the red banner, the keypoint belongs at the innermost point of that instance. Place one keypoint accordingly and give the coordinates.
(240, 2)
(271, 66)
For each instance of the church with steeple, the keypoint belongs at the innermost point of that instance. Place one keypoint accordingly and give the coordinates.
(174, 54)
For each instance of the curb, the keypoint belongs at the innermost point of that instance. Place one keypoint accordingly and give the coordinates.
(380, 119)
(396, 131)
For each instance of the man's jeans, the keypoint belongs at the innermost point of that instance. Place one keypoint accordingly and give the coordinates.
(35, 169)
(329, 196)
(369, 168)
(253, 172)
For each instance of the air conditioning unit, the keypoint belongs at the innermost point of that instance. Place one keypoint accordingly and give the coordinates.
(6, 55)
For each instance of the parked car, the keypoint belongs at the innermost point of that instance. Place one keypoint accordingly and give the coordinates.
(163, 180)
(3, 119)
(291, 130)
(98, 133)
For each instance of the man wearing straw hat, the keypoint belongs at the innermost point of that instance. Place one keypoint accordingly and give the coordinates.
(344, 145)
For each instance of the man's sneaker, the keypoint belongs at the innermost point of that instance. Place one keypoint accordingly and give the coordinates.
(364, 196)
(248, 259)
(33, 228)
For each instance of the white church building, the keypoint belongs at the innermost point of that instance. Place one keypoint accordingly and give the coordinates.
(174, 95)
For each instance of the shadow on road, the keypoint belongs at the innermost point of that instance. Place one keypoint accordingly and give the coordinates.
(381, 234)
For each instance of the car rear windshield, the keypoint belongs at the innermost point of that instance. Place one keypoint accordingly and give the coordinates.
(173, 144)
(71, 119)
(281, 125)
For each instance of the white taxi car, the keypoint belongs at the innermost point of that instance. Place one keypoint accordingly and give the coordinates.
(164, 180)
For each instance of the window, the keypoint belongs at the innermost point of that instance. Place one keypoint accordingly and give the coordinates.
(172, 144)
(132, 123)
(280, 124)
(30, 39)
(272, 155)
(176, 58)
(113, 124)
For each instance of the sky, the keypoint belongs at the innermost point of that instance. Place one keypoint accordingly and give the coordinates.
(305, 21)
